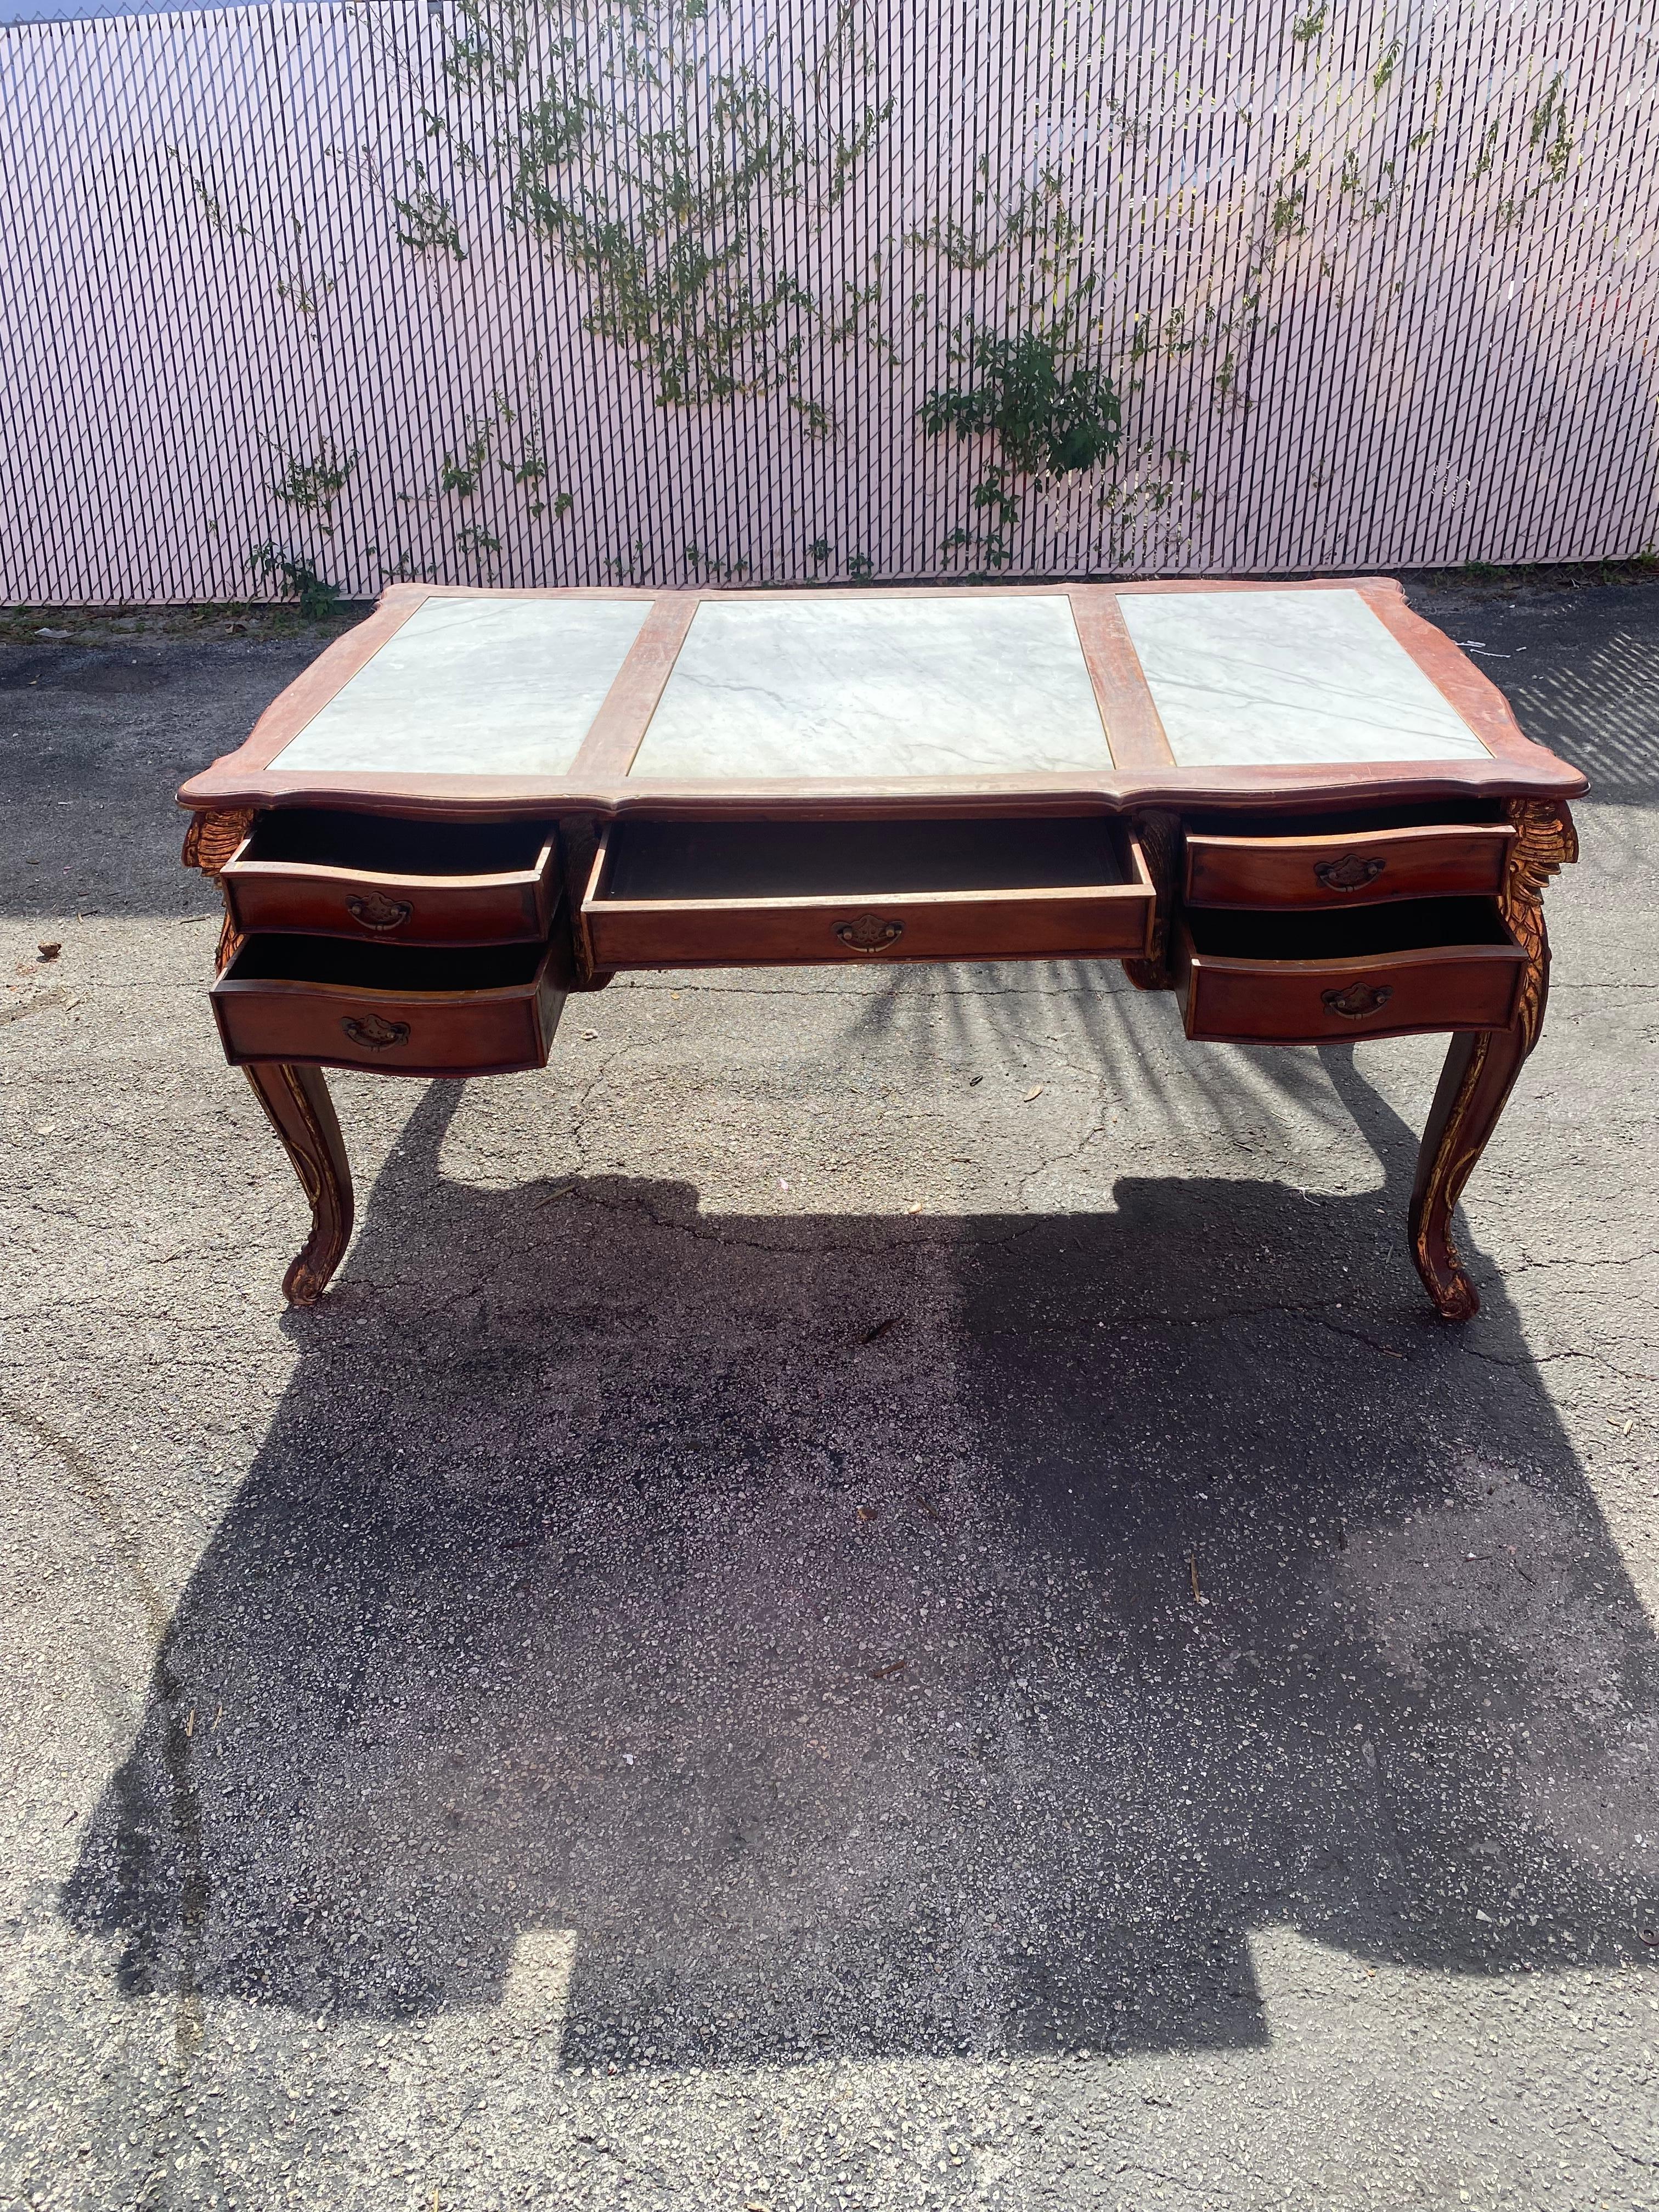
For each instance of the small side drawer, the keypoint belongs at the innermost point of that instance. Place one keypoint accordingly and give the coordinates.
(383, 881)
(746, 892)
(405, 1012)
(1345, 867)
(1389, 971)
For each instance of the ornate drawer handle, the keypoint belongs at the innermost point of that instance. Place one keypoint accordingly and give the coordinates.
(377, 912)
(1349, 873)
(869, 933)
(1359, 1000)
(374, 1033)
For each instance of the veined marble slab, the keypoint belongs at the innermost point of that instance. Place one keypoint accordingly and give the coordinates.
(870, 685)
(1301, 678)
(475, 687)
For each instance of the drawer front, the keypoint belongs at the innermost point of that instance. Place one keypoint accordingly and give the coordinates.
(1363, 869)
(1108, 921)
(393, 909)
(1316, 1002)
(408, 1032)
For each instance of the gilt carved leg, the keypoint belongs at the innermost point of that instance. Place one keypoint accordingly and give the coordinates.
(302, 1113)
(1481, 1065)
(295, 1098)
(1478, 1075)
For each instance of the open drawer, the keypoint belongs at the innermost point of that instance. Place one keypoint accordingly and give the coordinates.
(1384, 972)
(378, 880)
(1312, 860)
(395, 1009)
(683, 894)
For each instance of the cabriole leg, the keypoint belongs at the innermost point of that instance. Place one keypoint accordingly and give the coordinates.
(1478, 1075)
(1482, 1065)
(302, 1113)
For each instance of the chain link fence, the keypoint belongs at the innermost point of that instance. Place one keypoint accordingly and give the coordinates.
(305, 298)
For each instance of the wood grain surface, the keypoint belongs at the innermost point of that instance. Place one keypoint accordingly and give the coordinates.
(1105, 918)
(381, 906)
(1355, 868)
(1134, 730)
(1246, 995)
(608, 748)
(452, 1026)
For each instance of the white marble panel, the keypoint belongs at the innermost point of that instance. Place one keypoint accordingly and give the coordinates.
(475, 687)
(1302, 677)
(865, 684)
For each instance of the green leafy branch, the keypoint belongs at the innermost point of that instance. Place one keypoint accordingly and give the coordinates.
(314, 486)
(660, 180)
(505, 442)
(299, 283)
(297, 575)
(1050, 415)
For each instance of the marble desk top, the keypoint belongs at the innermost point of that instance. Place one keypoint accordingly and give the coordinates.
(476, 686)
(1275, 678)
(1134, 693)
(866, 684)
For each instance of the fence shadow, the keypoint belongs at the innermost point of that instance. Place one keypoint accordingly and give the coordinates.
(804, 1615)
(1579, 666)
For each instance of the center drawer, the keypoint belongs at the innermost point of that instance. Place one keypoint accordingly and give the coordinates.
(395, 1009)
(1314, 860)
(381, 880)
(1385, 972)
(687, 894)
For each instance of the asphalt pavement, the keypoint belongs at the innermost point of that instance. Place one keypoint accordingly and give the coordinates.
(878, 1591)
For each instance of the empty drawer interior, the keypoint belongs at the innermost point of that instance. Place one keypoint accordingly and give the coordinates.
(344, 965)
(381, 844)
(1350, 933)
(1430, 814)
(698, 862)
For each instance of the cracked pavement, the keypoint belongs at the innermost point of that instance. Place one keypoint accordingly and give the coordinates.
(804, 1627)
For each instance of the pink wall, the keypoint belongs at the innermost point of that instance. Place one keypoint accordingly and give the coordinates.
(1378, 287)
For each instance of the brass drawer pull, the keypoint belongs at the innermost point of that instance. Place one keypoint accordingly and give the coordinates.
(377, 912)
(1349, 873)
(869, 933)
(1359, 1000)
(374, 1033)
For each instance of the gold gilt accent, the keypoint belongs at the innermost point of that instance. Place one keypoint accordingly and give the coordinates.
(298, 1107)
(212, 838)
(208, 843)
(1438, 1261)
(1545, 841)
(1160, 841)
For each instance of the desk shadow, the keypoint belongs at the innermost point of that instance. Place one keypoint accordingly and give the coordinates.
(803, 1614)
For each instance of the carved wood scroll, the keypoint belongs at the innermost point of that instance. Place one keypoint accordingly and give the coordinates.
(1545, 841)
(210, 842)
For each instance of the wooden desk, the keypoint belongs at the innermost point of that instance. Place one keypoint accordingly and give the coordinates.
(1300, 807)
